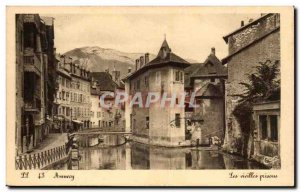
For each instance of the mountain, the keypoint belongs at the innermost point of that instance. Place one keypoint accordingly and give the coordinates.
(98, 59)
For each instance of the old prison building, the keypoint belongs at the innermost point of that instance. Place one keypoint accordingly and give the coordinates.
(156, 125)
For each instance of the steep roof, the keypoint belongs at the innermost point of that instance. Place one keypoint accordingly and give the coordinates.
(170, 58)
(105, 81)
(95, 91)
(212, 66)
(188, 72)
(209, 90)
(163, 58)
(165, 55)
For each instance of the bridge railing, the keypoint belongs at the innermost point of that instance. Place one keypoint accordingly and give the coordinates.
(41, 159)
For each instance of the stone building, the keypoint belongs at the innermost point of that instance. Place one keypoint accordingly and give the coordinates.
(20, 121)
(157, 125)
(62, 100)
(73, 95)
(80, 93)
(207, 81)
(106, 83)
(50, 70)
(34, 61)
(255, 42)
(266, 116)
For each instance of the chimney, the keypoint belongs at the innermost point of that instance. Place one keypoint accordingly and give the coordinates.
(213, 51)
(250, 20)
(137, 62)
(129, 69)
(242, 23)
(146, 58)
(141, 61)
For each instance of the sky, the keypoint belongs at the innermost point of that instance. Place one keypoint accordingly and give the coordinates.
(190, 36)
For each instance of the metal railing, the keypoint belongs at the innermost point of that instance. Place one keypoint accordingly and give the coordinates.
(41, 159)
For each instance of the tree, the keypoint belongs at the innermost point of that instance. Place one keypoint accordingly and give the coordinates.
(263, 85)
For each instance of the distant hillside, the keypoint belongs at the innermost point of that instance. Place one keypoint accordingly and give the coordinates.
(98, 59)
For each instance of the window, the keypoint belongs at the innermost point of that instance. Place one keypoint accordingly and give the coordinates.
(263, 124)
(274, 127)
(181, 76)
(176, 75)
(138, 83)
(147, 122)
(63, 95)
(177, 120)
(63, 81)
(67, 111)
(146, 81)
(212, 80)
(158, 77)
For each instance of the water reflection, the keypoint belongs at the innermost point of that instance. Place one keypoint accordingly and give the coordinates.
(139, 156)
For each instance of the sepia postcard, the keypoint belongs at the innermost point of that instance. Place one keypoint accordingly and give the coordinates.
(150, 96)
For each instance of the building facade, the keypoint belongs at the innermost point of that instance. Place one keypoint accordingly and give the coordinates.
(207, 81)
(34, 61)
(156, 124)
(266, 116)
(111, 118)
(62, 100)
(255, 42)
(73, 96)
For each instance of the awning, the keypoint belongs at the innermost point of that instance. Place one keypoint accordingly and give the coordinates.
(76, 121)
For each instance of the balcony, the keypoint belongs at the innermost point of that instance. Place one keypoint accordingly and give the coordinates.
(32, 19)
(32, 64)
(33, 106)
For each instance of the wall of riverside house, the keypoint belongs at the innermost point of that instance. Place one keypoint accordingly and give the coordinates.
(239, 66)
(19, 82)
(139, 114)
(162, 119)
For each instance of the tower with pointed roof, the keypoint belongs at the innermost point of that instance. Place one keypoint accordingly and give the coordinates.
(156, 125)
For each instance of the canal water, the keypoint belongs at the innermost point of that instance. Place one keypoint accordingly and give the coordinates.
(112, 152)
